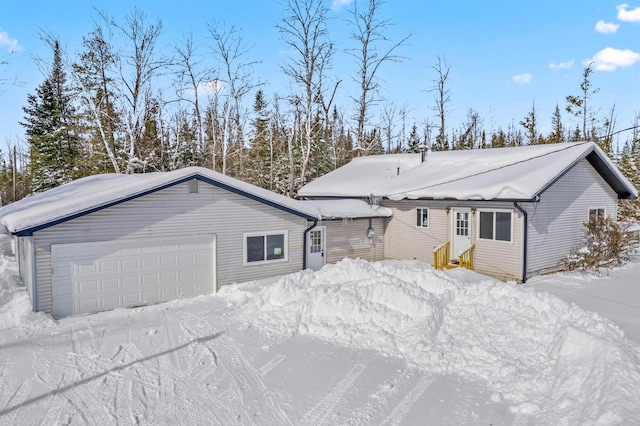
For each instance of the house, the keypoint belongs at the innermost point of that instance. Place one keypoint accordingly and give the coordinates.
(506, 212)
(113, 240)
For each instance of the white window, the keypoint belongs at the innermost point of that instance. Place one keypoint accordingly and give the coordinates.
(597, 213)
(495, 225)
(422, 218)
(265, 247)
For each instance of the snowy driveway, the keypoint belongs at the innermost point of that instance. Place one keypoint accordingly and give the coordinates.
(184, 363)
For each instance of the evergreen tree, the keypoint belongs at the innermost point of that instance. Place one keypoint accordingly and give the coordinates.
(499, 139)
(557, 130)
(530, 124)
(102, 128)
(51, 129)
(630, 166)
(261, 155)
(413, 142)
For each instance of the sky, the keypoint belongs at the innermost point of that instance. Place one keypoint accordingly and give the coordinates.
(504, 56)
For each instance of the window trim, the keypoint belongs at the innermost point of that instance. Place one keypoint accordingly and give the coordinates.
(420, 209)
(604, 209)
(494, 211)
(265, 234)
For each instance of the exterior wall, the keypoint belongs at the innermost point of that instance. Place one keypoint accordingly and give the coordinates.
(24, 255)
(175, 211)
(555, 222)
(348, 238)
(404, 240)
(499, 259)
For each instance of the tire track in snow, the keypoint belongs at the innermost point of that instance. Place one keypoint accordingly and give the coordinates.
(402, 409)
(18, 397)
(322, 409)
(520, 420)
(54, 411)
(265, 369)
(244, 381)
(43, 370)
(248, 381)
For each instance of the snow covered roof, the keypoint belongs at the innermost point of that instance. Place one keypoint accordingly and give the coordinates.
(97, 192)
(514, 174)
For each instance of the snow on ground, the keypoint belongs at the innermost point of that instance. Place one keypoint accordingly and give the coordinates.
(356, 343)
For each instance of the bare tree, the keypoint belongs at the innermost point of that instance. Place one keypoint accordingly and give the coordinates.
(442, 97)
(369, 32)
(192, 79)
(233, 83)
(139, 65)
(304, 29)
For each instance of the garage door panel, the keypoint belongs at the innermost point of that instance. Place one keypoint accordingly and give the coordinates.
(110, 284)
(169, 276)
(130, 264)
(123, 273)
(87, 286)
(130, 281)
(88, 304)
(111, 302)
(131, 299)
(109, 265)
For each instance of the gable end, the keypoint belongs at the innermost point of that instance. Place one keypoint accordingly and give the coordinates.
(29, 231)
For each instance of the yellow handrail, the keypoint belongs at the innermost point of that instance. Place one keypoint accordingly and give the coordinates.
(466, 258)
(441, 255)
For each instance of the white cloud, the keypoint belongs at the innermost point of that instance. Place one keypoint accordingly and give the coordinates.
(632, 15)
(561, 65)
(11, 43)
(522, 78)
(337, 4)
(211, 87)
(606, 27)
(610, 59)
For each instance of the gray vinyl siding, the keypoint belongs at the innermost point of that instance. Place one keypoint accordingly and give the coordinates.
(500, 259)
(405, 240)
(175, 211)
(24, 255)
(348, 238)
(556, 221)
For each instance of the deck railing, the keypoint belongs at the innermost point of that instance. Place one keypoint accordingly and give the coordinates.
(441, 255)
(466, 258)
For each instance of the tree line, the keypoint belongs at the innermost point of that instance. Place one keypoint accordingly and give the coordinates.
(127, 104)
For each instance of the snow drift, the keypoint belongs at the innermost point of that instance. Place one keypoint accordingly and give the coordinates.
(549, 358)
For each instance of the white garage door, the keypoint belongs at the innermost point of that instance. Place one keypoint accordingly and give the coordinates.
(93, 277)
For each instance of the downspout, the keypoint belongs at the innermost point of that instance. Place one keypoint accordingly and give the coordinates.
(525, 243)
(304, 244)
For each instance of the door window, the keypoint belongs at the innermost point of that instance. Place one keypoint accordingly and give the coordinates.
(462, 223)
(316, 241)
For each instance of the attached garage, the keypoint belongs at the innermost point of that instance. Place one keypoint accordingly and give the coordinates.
(98, 276)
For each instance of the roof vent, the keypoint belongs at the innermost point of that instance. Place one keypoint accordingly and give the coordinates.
(424, 150)
(193, 186)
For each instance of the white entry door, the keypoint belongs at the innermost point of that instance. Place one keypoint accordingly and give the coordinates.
(461, 240)
(315, 248)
